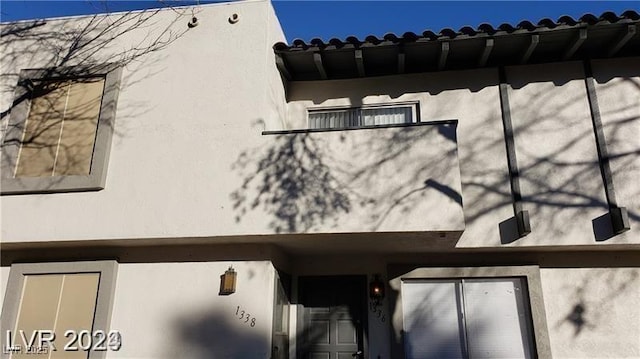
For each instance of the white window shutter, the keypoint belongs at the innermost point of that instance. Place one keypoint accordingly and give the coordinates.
(432, 320)
(496, 318)
(387, 115)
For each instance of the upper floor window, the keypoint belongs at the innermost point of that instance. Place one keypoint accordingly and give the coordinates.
(363, 116)
(60, 131)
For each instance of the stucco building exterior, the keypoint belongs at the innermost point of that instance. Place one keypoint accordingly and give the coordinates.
(184, 183)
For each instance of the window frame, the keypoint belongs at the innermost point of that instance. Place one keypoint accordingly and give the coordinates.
(11, 142)
(415, 112)
(108, 271)
(282, 285)
(529, 274)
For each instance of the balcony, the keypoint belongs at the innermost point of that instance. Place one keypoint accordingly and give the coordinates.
(389, 178)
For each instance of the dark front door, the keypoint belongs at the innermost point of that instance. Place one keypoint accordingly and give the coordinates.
(333, 317)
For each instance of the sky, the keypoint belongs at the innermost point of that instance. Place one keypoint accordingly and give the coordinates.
(327, 19)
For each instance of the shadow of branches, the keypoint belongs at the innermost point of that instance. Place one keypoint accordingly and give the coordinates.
(84, 44)
(373, 178)
(295, 182)
(560, 178)
(68, 52)
(595, 296)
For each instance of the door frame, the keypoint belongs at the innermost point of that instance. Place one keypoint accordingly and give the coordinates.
(364, 302)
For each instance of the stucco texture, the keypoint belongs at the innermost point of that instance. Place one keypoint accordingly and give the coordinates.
(189, 104)
(173, 310)
(470, 97)
(618, 92)
(592, 312)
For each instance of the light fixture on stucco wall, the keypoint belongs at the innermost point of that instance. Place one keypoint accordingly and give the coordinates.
(228, 282)
(376, 289)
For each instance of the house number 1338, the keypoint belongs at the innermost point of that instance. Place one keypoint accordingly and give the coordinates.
(245, 317)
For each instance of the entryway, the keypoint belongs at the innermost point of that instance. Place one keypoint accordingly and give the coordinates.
(333, 317)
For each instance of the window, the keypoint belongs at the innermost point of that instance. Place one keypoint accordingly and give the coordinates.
(465, 318)
(494, 312)
(59, 298)
(60, 130)
(363, 116)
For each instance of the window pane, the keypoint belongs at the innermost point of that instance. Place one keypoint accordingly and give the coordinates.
(361, 117)
(79, 128)
(61, 128)
(76, 309)
(497, 323)
(42, 130)
(432, 320)
(333, 119)
(386, 115)
(38, 308)
(57, 302)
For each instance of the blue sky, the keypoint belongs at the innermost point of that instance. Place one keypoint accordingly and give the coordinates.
(327, 19)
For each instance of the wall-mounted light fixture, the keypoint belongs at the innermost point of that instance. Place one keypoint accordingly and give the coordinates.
(376, 289)
(228, 282)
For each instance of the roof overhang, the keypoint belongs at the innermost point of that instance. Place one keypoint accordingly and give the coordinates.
(589, 37)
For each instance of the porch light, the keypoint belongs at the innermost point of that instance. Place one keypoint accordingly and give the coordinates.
(228, 282)
(376, 288)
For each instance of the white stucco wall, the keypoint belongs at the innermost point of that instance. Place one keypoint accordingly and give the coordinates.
(471, 97)
(188, 147)
(592, 312)
(618, 92)
(275, 101)
(188, 136)
(557, 155)
(173, 310)
(188, 139)
(560, 178)
(185, 114)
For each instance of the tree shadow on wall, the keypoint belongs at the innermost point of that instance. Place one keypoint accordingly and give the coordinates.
(306, 181)
(294, 183)
(213, 335)
(556, 189)
(80, 47)
(76, 51)
(595, 296)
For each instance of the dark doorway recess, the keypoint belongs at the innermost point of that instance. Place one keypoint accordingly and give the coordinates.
(333, 317)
